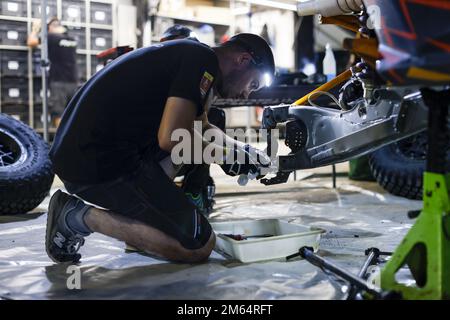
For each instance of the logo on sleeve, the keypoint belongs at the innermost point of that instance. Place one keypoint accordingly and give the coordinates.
(206, 83)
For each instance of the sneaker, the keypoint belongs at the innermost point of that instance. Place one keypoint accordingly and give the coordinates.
(61, 242)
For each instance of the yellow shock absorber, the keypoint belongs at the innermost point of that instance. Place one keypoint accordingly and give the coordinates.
(344, 76)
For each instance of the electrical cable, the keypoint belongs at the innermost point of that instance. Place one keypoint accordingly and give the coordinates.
(335, 100)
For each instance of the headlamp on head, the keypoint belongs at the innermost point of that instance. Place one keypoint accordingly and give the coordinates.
(267, 79)
(259, 50)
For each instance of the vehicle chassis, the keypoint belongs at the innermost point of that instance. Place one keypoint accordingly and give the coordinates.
(319, 136)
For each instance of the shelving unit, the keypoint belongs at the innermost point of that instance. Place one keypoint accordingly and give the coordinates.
(193, 19)
(193, 14)
(93, 25)
(167, 20)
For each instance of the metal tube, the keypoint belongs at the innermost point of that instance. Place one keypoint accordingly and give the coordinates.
(320, 262)
(344, 76)
(373, 254)
(328, 8)
(44, 66)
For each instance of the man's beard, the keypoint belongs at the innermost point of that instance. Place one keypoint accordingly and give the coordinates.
(225, 87)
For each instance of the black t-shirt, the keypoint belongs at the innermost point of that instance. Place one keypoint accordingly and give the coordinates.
(63, 57)
(112, 122)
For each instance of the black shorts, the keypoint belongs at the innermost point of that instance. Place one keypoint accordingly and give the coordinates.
(60, 95)
(149, 196)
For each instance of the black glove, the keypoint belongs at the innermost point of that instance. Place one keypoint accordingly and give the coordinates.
(244, 160)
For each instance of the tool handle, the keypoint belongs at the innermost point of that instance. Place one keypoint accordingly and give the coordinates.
(308, 254)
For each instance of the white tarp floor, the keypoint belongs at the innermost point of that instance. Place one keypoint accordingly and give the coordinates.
(356, 216)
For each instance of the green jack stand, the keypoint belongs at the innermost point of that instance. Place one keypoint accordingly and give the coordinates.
(426, 247)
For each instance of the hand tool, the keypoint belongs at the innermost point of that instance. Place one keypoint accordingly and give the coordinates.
(375, 293)
(372, 259)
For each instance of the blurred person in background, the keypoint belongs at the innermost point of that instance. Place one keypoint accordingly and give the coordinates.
(63, 75)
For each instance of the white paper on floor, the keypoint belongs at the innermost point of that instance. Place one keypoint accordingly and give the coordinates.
(354, 222)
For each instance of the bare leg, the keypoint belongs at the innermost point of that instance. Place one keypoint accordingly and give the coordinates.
(145, 237)
(56, 122)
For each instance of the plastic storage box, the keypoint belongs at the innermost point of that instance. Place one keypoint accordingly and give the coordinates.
(101, 39)
(17, 8)
(73, 11)
(101, 13)
(13, 33)
(287, 238)
(14, 91)
(14, 63)
(36, 11)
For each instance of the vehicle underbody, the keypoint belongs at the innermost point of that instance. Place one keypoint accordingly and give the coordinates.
(320, 136)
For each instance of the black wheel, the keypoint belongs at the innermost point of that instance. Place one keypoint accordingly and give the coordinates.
(399, 167)
(25, 168)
